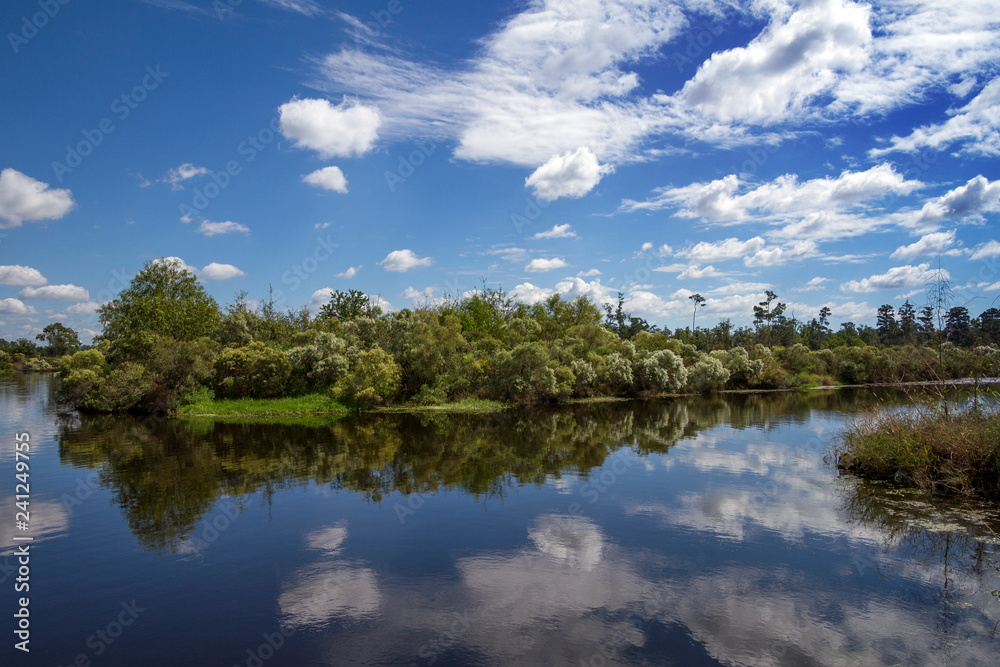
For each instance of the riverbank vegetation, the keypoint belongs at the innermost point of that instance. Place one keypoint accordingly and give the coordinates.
(945, 451)
(166, 343)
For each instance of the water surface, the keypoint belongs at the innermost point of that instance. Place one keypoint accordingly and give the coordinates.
(704, 531)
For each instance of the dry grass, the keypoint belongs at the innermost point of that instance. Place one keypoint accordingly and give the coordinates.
(957, 453)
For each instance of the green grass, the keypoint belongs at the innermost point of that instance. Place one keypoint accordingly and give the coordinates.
(946, 453)
(263, 407)
(464, 405)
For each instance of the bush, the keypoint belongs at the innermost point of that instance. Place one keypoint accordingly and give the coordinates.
(373, 379)
(122, 389)
(523, 374)
(318, 364)
(743, 371)
(707, 374)
(619, 376)
(585, 376)
(660, 371)
(79, 373)
(254, 371)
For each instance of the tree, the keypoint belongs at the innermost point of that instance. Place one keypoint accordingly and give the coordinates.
(824, 319)
(698, 301)
(885, 320)
(346, 306)
(60, 339)
(164, 299)
(622, 322)
(925, 326)
(989, 325)
(908, 322)
(958, 326)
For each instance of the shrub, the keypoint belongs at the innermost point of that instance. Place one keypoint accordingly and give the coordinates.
(707, 374)
(743, 371)
(523, 374)
(660, 371)
(122, 389)
(254, 371)
(585, 376)
(619, 373)
(318, 364)
(79, 373)
(373, 379)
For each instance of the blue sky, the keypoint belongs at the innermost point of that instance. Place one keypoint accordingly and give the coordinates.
(831, 151)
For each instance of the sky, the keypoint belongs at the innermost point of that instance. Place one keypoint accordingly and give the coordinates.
(838, 153)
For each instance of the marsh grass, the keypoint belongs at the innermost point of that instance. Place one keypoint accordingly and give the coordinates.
(263, 407)
(951, 452)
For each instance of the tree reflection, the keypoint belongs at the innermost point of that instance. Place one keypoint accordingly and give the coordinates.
(167, 474)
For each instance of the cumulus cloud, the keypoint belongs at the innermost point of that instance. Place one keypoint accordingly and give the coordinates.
(821, 208)
(345, 130)
(538, 265)
(228, 227)
(929, 244)
(570, 289)
(21, 276)
(557, 232)
(55, 293)
(971, 200)
(425, 295)
(85, 308)
(328, 178)
(794, 61)
(216, 271)
(23, 198)
(774, 256)
(213, 271)
(895, 278)
(720, 251)
(350, 272)
(975, 128)
(589, 274)
(694, 272)
(572, 174)
(985, 251)
(401, 261)
(15, 307)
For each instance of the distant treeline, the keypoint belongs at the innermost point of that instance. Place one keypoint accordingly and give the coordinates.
(166, 342)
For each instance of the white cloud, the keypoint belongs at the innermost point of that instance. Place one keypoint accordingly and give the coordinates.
(304, 7)
(85, 308)
(557, 232)
(23, 198)
(971, 200)
(350, 272)
(401, 261)
(508, 253)
(328, 178)
(774, 256)
(15, 307)
(176, 261)
(540, 264)
(814, 285)
(15, 274)
(821, 208)
(895, 278)
(986, 250)
(976, 128)
(799, 58)
(720, 251)
(589, 274)
(182, 173)
(693, 272)
(929, 244)
(228, 227)
(333, 131)
(425, 295)
(55, 293)
(572, 174)
(322, 225)
(216, 271)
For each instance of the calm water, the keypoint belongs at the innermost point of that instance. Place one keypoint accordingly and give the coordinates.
(693, 532)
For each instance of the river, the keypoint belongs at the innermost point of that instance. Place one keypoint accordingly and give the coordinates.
(701, 531)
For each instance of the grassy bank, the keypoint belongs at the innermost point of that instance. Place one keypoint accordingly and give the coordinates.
(316, 404)
(946, 453)
(309, 404)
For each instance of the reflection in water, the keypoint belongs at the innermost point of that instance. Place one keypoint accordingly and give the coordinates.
(729, 541)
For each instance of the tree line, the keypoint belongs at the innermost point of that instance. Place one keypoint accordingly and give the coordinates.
(166, 342)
